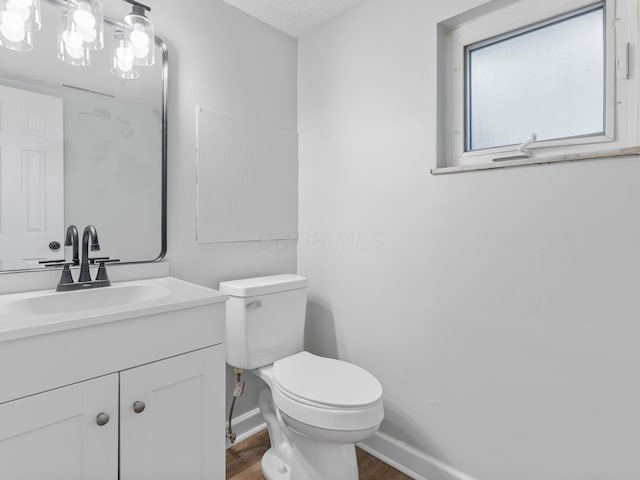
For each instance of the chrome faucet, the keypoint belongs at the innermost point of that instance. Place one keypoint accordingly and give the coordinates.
(71, 240)
(90, 234)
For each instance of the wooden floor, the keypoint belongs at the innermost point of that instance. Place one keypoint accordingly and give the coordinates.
(243, 462)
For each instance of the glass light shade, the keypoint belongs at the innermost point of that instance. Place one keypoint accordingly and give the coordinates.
(28, 11)
(142, 39)
(14, 31)
(86, 18)
(122, 57)
(71, 46)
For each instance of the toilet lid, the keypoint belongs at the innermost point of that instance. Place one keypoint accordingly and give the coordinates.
(326, 381)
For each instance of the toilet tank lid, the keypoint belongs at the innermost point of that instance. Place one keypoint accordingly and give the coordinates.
(251, 287)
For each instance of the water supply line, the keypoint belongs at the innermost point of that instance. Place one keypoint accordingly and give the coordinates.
(238, 389)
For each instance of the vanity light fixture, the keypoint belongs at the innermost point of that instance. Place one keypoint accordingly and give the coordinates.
(123, 56)
(18, 20)
(80, 30)
(85, 19)
(140, 31)
(134, 44)
(71, 47)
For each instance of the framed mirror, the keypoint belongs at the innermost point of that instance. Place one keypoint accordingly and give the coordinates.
(80, 145)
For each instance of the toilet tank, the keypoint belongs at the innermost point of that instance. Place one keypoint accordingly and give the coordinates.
(265, 319)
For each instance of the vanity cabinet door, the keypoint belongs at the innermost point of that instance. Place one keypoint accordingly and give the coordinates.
(172, 418)
(70, 433)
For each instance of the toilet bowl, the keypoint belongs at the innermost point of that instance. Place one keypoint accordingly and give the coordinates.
(315, 416)
(316, 408)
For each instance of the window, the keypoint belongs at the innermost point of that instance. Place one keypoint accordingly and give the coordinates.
(538, 81)
(547, 79)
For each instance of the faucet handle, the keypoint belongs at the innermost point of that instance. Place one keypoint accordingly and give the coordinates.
(96, 260)
(57, 263)
(102, 260)
(66, 279)
(102, 270)
(51, 263)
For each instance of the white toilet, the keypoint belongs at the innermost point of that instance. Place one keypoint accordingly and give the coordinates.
(316, 408)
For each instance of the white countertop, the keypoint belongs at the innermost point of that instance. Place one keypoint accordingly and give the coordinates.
(178, 295)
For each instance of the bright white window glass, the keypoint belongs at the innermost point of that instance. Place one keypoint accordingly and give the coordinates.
(547, 80)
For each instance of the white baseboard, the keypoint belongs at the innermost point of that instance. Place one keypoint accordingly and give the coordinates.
(409, 460)
(247, 425)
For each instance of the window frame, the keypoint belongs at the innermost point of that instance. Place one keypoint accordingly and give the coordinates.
(621, 94)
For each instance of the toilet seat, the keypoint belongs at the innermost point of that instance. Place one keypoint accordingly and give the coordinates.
(327, 382)
(327, 393)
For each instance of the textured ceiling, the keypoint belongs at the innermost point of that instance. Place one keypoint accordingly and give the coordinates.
(293, 16)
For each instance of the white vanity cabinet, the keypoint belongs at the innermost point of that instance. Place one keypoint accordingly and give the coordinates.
(169, 418)
(55, 435)
(170, 422)
(134, 397)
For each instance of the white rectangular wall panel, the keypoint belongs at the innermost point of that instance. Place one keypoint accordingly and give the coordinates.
(247, 179)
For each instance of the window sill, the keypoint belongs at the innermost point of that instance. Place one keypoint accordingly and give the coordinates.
(623, 152)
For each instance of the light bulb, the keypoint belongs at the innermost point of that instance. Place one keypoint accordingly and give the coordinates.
(141, 52)
(84, 17)
(24, 13)
(139, 41)
(12, 27)
(20, 3)
(124, 65)
(72, 39)
(124, 56)
(139, 37)
(88, 35)
(11, 34)
(73, 51)
(124, 52)
(12, 21)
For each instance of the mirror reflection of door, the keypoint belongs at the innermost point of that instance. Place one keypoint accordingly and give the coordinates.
(31, 177)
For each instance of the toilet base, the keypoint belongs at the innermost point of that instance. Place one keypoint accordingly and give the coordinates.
(303, 452)
(316, 463)
(273, 468)
(313, 460)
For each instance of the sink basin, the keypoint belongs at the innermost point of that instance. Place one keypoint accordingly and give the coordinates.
(27, 314)
(83, 300)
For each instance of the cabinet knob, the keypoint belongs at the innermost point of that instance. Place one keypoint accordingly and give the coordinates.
(138, 406)
(102, 419)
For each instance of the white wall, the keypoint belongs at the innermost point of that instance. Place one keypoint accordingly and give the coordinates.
(498, 309)
(221, 59)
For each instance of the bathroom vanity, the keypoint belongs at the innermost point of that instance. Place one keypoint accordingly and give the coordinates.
(124, 382)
